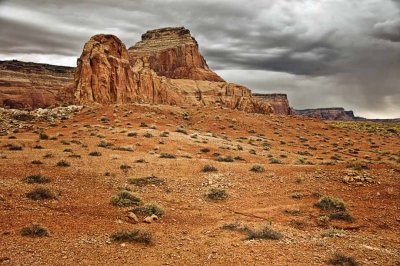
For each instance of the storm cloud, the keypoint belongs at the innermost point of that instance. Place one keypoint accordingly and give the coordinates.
(321, 53)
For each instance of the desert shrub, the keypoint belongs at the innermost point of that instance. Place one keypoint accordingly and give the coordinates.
(209, 168)
(148, 135)
(43, 136)
(104, 144)
(132, 134)
(124, 148)
(274, 160)
(63, 163)
(14, 147)
(167, 155)
(164, 134)
(38, 147)
(181, 130)
(36, 162)
(357, 165)
(257, 168)
(297, 195)
(205, 150)
(40, 193)
(34, 230)
(36, 179)
(340, 259)
(330, 203)
(135, 235)
(68, 150)
(217, 194)
(345, 216)
(333, 233)
(143, 124)
(149, 209)
(226, 159)
(265, 232)
(125, 198)
(95, 153)
(145, 181)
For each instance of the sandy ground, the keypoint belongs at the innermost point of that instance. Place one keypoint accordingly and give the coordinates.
(81, 219)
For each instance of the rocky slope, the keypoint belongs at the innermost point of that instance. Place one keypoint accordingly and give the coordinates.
(31, 85)
(279, 102)
(173, 53)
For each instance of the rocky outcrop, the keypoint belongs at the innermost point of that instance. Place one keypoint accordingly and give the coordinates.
(279, 102)
(173, 53)
(26, 85)
(334, 113)
(105, 75)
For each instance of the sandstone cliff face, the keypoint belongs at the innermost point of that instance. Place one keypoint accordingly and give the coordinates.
(104, 74)
(335, 113)
(173, 53)
(279, 102)
(31, 85)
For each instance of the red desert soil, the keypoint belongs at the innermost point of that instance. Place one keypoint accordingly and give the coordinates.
(81, 219)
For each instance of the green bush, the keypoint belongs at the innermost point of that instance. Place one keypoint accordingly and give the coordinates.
(135, 235)
(330, 203)
(265, 232)
(217, 194)
(125, 198)
(149, 209)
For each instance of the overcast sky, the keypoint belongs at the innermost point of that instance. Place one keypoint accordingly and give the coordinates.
(322, 53)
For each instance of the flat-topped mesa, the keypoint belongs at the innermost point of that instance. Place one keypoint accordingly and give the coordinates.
(28, 85)
(104, 74)
(331, 113)
(278, 101)
(173, 53)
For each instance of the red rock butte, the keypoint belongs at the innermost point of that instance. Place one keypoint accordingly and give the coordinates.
(173, 53)
(166, 67)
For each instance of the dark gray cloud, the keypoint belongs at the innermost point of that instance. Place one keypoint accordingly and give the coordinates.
(322, 53)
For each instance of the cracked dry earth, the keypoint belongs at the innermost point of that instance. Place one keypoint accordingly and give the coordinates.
(303, 160)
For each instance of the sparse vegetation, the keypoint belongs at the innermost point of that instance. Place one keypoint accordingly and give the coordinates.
(36, 179)
(217, 194)
(14, 147)
(125, 198)
(43, 136)
(63, 163)
(145, 181)
(209, 168)
(343, 260)
(329, 203)
(34, 230)
(226, 159)
(40, 193)
(257, 168)
(265, 232)
(167, 155)
(95, 153)
(135, 235)
(149, 209)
